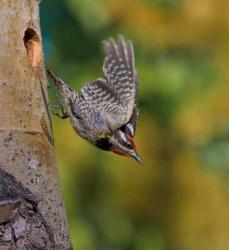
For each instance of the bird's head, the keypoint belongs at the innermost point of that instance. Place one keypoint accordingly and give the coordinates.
(124, 144)
(120, 143)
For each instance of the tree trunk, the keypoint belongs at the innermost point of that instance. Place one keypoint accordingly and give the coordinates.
(32, 214)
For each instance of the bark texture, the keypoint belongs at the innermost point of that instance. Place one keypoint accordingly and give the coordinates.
(32, 214)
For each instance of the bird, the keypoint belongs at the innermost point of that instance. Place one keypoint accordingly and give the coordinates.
(105, 111)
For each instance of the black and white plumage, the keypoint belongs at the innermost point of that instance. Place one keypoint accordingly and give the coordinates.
(105, 112)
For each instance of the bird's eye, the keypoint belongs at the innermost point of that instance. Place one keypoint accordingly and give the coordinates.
(129, 144)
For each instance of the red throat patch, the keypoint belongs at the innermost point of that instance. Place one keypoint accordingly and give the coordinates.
(118, 152)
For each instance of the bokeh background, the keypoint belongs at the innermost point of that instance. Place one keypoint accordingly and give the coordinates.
(179, 199)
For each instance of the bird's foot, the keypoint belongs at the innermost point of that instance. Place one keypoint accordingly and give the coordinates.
(59, 111)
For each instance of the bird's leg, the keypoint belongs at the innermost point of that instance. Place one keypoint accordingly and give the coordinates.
(59, 111)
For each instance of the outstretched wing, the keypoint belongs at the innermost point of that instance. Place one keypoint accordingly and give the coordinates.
(115, 96)
(120, 73)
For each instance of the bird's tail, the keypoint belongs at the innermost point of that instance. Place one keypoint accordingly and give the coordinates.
(63, 88)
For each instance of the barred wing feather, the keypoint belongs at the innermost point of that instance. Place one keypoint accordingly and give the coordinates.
(114, 97)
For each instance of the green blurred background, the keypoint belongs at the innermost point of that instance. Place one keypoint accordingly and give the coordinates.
(179, 199)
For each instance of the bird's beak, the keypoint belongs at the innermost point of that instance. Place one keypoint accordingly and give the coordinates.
(135, 155)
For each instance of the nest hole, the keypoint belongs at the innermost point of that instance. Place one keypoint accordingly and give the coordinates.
(33, 47)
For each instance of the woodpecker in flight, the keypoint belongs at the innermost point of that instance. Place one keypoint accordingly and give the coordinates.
(105, 112)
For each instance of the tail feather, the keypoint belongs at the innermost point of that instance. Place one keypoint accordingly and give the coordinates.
(63, 88)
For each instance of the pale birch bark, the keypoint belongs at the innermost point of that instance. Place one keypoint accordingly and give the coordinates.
(32, 214)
